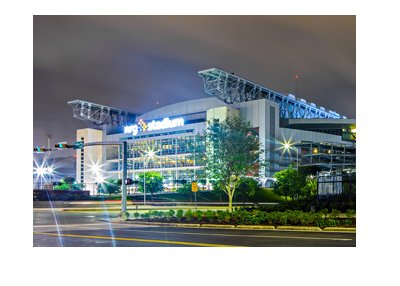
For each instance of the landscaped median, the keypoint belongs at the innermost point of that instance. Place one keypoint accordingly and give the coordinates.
(252, 220)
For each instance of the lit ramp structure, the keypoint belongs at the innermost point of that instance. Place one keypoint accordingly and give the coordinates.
(100, 114)
(233, 89)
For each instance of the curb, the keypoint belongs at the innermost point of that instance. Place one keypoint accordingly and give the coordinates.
(347, 229)
(243, 226)
(307, 228)
(187, 224)
(218, 225)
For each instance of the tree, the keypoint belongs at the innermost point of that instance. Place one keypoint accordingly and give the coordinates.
(289, 183)
(232, 152)
(62, 186)
(110, 186)
(248, 188)
(184, 189)
(69, 181)
(310, 188)
(154, 183)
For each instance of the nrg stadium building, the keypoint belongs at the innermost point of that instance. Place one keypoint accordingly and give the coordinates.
(316, 136)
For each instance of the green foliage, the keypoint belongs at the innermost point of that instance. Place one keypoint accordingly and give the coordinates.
(253, 217)
(110, 186)
(209, 215)
(154, 182)
(179, 214)
(232, 152)
(325, 212)
(188, 215)
(136, 215)
(267, 195)
(248, 187)
(335, 214)
(62, 187)
(310, 187)
(68, 183)
(350, 213)
(68, 180)
(184, 189)
(290, 183)
(65, 187)
(170, 213)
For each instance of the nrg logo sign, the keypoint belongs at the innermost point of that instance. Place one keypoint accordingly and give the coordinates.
(154, 125)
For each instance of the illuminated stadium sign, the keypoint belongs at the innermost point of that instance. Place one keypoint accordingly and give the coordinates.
(154, 125)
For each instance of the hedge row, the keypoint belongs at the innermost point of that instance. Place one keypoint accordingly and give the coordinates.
(243, 217)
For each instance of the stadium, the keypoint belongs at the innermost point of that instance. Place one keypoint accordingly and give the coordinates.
(291, 131)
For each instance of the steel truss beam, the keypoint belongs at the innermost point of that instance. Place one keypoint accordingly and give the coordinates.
(101, 115)
(233, 89)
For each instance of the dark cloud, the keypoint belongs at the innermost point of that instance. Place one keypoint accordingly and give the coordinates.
(131, 62)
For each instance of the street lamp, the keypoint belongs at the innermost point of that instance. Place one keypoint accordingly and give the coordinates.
(149, 155)
(41, 171)
(288, 146)
(50, 171)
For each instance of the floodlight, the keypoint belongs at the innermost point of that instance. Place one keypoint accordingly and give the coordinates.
(41, 171)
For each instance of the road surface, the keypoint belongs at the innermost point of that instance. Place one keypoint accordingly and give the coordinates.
(77, 229)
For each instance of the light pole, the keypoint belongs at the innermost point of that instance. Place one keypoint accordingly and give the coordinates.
(149, 155)
(288, 147)
(40, 171)
(50, 171)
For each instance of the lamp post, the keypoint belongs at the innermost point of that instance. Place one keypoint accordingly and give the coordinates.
(40, 171)
(288, 146)
(50, 172)
(149, 155)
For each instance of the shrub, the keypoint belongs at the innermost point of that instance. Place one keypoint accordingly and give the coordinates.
(348, 221)
(179, 215)
(188, 215)
(293, 217)
(326, 222)
(281, 218)
(350, 213)
(223, 216)
(335, 213)
(325, 212)
(170, 213)
(209, 215)
(136, 215)
(145, 215)
(198, 215)
(155, 214)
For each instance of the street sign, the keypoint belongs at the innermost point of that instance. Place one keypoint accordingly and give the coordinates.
(194, 187)
(78, 145)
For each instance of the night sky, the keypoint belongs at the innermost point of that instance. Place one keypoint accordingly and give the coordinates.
(138, 63)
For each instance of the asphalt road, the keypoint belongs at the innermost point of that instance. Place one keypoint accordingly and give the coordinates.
(83, 229)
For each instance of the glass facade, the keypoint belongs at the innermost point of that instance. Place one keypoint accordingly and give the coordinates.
(176, 158)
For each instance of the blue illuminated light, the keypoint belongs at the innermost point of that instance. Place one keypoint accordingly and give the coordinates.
(154, 125)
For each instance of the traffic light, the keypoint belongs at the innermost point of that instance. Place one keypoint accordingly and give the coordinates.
(128, 181)
(62, 145)
(39, 149)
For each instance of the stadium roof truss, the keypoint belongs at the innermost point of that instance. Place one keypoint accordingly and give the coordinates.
(100, 114)
(233, 89)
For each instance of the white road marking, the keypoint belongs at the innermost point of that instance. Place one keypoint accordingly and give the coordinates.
(244, 235)
(106, 226)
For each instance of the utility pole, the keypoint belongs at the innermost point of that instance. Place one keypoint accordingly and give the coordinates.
(81, 144)
(124, 172)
